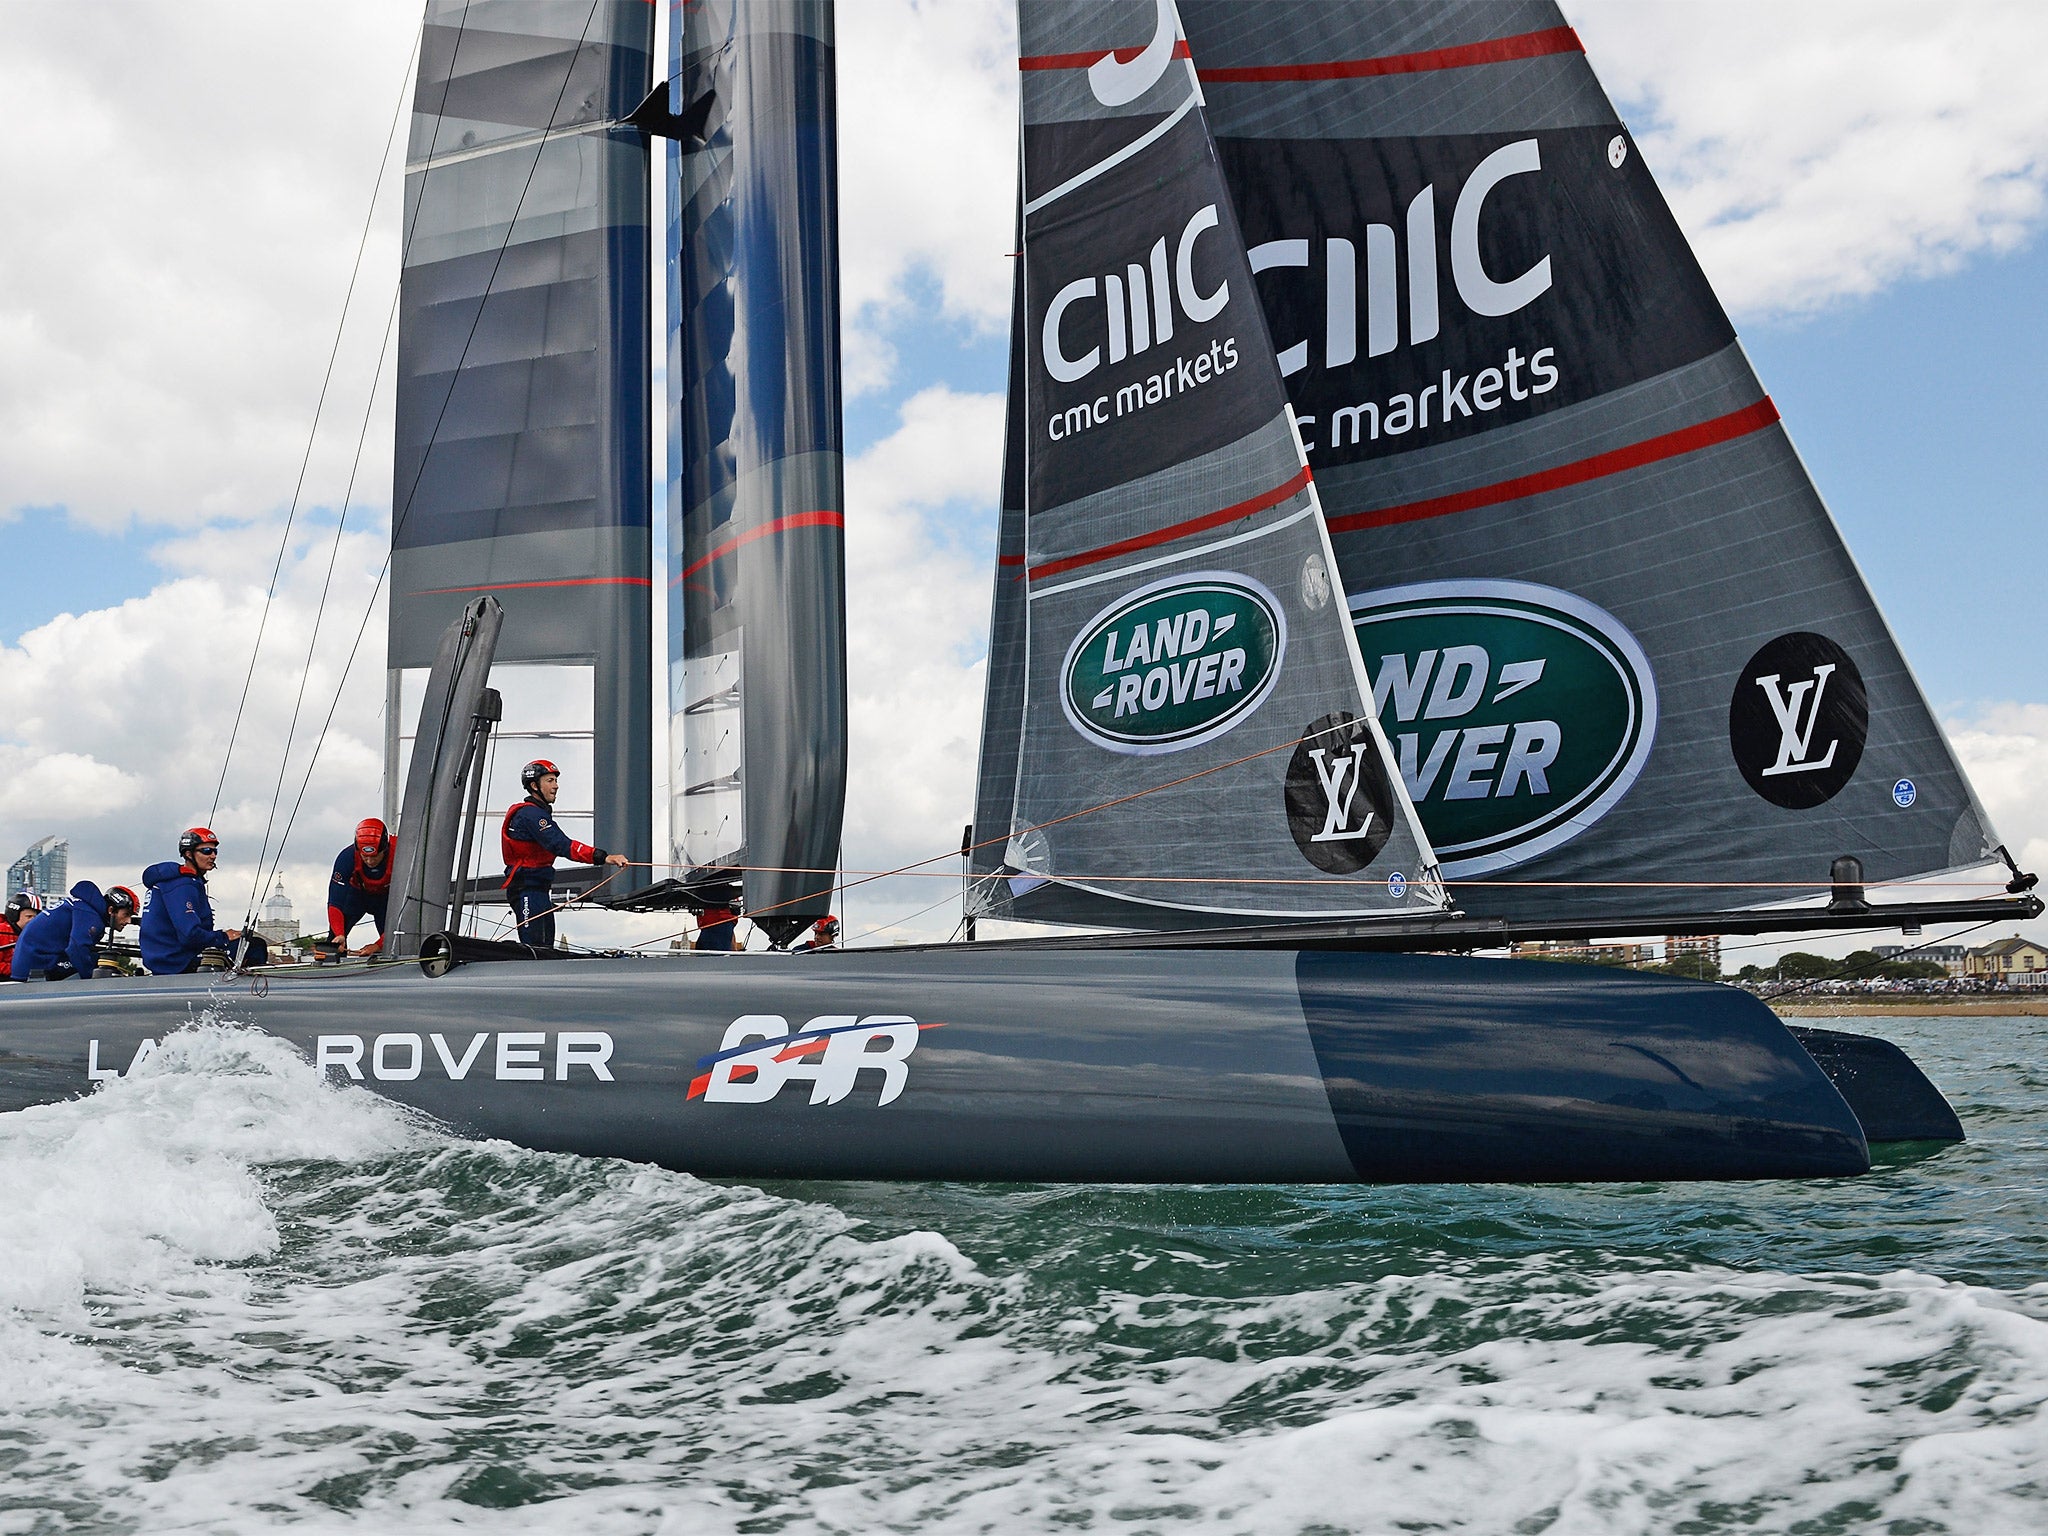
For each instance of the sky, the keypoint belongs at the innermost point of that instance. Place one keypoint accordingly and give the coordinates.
(187, 187)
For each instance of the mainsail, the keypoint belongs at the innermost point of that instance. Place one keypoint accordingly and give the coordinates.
(1611, 628)
(522, 464)
(1196, 744)
(757, 616)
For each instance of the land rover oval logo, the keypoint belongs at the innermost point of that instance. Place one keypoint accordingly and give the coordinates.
(1519, 714)
(1175, 663)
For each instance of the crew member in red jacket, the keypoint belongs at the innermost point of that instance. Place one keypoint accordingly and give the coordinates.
(532, 842)
(13, 918)
(361, 886)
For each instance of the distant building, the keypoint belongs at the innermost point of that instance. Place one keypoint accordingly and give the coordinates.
(1952, 958)
(1706, 945)
(1588, 954)
(278, 926)
(2017, 962)
(44, 869)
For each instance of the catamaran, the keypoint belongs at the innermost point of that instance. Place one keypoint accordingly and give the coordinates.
(1397, 553)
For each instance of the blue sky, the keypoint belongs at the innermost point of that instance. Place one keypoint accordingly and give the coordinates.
(1923, 413)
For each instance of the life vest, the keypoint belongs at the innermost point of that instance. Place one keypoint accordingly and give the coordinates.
(8, 934)
(519, 852)
(378, 884)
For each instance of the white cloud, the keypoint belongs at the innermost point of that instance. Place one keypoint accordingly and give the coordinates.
(185, 187)
(2004, 749)
(1828, 150)
(920, 544)
(119, 718)
(928, 169)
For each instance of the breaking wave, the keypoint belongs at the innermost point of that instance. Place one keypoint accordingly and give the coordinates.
(234, 1298)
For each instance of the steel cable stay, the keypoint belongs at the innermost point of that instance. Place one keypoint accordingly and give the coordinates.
(312, 438)
(355, 466)
(402, 512)
(264, 877)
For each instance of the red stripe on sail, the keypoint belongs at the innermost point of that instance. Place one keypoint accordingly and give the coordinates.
(1722, 429)
(565, 581)
(1498, 50)
(779, 525)
(1202, 524)
(1092, 57)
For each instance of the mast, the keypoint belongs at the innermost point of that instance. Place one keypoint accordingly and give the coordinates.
(522, 465)
(756, 579)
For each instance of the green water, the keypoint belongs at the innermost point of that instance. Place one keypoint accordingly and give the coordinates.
(236, 1300)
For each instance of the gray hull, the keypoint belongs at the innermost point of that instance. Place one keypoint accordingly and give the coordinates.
(1147, 1066)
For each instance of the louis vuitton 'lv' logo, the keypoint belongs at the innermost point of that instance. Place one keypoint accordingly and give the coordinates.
(1789, 707)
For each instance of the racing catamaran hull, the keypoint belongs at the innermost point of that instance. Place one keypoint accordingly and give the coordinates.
(1143, 1066)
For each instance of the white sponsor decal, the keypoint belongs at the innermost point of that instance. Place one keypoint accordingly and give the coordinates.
(520, 1056)
(830, 1053)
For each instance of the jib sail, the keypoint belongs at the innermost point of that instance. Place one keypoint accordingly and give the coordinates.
(757, 615)
(1611, 629)
(1196, 744)
(522, 465)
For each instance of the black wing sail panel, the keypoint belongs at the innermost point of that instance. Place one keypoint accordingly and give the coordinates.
(1612, 631)
(757, 587)
(522, 465)
(1196, 745)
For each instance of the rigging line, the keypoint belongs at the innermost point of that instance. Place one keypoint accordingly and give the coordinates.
(399, 515)
(319, 614)
(355, 467)
(898, 921)
(312, 436)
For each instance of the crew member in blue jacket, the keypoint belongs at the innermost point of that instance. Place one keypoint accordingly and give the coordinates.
(531, 843)
(62, 943)
(178, 922)
(361, 884)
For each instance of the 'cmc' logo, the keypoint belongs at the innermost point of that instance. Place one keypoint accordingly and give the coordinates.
(1175, 663)
(1798, 720)
(760, 1054)
(1482, 293)
(1131, 324)
(1519, 714)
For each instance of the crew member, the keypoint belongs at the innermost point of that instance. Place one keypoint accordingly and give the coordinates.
(62, 943)
(361, 886)
(825, 935)
(716, 927)
(178, 922)
(532, 842)
(14, 917)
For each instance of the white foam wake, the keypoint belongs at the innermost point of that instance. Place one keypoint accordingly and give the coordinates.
(237, 1299)
(133, 1185)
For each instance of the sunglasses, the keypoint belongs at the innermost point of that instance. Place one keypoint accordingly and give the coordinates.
(206, 847)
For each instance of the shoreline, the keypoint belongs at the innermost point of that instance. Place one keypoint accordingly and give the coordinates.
(1871, 1007)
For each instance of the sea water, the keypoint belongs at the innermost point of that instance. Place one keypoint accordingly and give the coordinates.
(235, 1299)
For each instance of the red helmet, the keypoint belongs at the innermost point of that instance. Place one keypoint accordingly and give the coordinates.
(372, 836)
(828, 925)
(121, 896)
(532, 773)
(196, 840)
